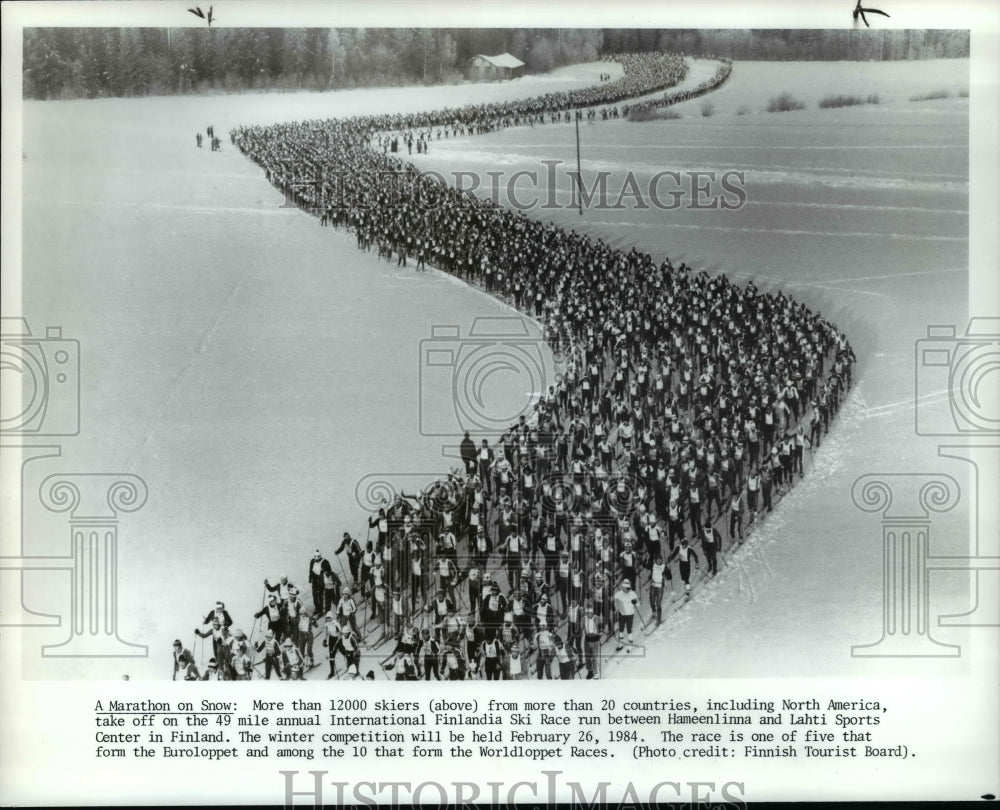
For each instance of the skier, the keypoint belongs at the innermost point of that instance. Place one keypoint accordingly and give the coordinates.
(684, 555)
(183, 661)
(659, 572)
(711, 544)
(626, 602)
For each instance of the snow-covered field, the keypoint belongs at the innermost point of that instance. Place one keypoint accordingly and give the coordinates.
(253, 367)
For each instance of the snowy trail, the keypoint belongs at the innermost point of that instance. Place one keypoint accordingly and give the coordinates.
(258, 445)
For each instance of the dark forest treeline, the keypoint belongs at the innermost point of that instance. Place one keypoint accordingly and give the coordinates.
(94, 62)
(796, 44)
(101, 62)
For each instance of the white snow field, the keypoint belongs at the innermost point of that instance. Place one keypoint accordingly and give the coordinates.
(253, 367)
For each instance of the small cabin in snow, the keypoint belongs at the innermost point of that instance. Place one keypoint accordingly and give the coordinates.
(482, 68)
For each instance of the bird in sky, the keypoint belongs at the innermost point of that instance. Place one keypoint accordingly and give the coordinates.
(859, 11)
(199, 13)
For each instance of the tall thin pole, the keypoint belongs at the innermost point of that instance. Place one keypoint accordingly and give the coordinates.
(579, 175)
